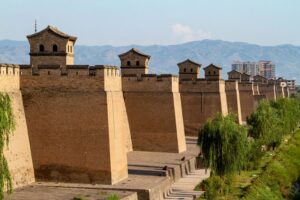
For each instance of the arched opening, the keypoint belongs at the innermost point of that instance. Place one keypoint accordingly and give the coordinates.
(208, 72)
(184, 70)
(128, 63)
(214, 72)
(55, 48)
(137, 63)
(191, 70)
(42, 48)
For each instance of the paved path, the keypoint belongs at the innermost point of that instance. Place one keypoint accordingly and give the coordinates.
(184, 187)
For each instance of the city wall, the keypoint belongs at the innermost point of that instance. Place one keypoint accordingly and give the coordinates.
(268, 90)
(201, 99)
(286, 92)
(77, 123)
(247, 99)
(154, 111)
(279, 91)
(17, 152)
(233, 98)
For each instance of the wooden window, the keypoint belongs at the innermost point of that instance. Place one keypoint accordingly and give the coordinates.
(55, 48)
(42, 48)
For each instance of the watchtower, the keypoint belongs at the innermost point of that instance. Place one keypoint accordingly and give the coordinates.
(245, 77)
(189, 70)
(259, 79)
(134, 62)
(234, 75)
(212, 72)
(50, 46)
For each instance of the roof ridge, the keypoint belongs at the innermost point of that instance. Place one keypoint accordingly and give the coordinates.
(54, 30)
(189, 60)
(136, 51)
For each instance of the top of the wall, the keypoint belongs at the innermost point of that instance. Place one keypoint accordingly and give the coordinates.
(70, 70)
(9, 70)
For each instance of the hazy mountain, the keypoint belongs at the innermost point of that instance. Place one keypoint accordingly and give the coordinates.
(164, 59)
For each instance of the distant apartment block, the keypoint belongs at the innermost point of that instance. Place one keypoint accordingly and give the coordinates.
(291, 84)
(250, 68)
(262, 68)
(267, 69)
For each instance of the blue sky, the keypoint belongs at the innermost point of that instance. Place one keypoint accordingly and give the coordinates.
(123, 22)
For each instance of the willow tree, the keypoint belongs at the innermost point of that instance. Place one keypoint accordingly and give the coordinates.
(288, 111)
(224, 144)
(7, 125)
(266, 125)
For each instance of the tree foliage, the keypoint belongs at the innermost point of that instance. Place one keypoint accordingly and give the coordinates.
(224, 144)
(274, 119)
(7, 125)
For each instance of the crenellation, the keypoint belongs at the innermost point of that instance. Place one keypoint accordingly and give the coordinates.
(9, 70)
(150, 82)
(201, 85)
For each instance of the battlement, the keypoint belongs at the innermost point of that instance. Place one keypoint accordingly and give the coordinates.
(71, 70)
(150, 82)
(202, 85)
(9, 69)
(71, 77)
(9, 77)
(246, 86)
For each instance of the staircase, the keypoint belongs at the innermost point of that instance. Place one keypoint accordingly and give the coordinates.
(184, 187)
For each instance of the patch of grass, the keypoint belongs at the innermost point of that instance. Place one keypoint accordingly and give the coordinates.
(113, 197)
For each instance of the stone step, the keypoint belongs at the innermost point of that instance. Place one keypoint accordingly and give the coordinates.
(184, 187)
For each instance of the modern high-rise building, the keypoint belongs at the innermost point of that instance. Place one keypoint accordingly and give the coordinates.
(291, 84)
(262, 68)
(267, 69)
(250, 68)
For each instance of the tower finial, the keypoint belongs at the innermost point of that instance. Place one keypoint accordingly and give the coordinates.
(35, 26)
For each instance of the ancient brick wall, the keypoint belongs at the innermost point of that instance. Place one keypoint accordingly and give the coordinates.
(279, 91)
(18, 152)
(77, 125)
(233, 98)
(268, 90)
(201, 99)
(153, 106)
(286, 92)
(247, 99)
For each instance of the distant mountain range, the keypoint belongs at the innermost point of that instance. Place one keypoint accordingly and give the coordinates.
(164, 58)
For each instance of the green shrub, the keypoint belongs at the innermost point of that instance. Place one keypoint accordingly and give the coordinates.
(7, 125)
(113, 197)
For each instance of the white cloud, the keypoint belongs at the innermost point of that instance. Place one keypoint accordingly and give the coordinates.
(184, 33)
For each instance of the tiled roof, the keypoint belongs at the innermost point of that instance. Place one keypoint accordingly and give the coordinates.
(212, 65)
(188, 60)
(135, 51)
(55, 31)
(234, 71)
